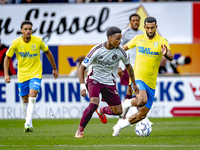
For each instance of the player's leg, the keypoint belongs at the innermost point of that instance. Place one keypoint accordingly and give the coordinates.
(124, 107)
(143, 101)
(129, 92)
(94, 90)
(87, 115)
(139, 101)
(134, 101)
(25, 104)
(134, 118)
(34, 86)
(111, 96)
(24, 92)
(128, 103)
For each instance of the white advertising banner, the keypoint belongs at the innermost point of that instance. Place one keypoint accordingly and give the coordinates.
(79, 24)
(175, 96)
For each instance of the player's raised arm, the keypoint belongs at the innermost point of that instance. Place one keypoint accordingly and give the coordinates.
(166, 52)
(53, 64)
(6, 66)
(132, 76)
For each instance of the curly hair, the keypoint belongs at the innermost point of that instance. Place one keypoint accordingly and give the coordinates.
(150, 20)
(113, 30)
(26, 22)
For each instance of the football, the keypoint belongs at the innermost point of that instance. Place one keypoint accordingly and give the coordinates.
(143, 128)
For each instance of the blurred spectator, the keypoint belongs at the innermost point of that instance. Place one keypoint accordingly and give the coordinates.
(92, 1)
(6, 1)
(32, 1)
(3, 50)
(167, 67)
(59, 1)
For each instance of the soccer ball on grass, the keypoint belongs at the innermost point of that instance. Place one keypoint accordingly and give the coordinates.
(143, 128)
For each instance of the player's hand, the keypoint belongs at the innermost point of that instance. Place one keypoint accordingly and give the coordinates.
(120, 72)
(7, 78)
(136, 89)
(55, 73)
(84, 91)
(164, 49)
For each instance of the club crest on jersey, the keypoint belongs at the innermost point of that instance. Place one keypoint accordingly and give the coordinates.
(114, 57)
(155, 44)
(86, 60)
(33, 46)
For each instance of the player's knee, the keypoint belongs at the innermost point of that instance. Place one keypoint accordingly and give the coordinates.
(118, 111)
(25, 99)
(141, 102)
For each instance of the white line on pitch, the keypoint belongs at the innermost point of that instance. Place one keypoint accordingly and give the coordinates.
(105, 145)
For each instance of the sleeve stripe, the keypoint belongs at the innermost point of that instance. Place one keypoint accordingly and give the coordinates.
(93, 50)
(123, 51)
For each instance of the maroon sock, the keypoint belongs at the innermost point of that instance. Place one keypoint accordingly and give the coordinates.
(87, 115)
(128, 97)
(107, 110)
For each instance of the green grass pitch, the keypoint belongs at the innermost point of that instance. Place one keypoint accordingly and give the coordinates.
(167, 133)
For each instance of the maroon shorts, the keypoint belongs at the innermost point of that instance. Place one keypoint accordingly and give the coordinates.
(125, 79)
(109, 92)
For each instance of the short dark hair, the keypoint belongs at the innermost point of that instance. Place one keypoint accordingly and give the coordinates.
(133, 15)
(113, 30)
(26, 22)
(150, 20)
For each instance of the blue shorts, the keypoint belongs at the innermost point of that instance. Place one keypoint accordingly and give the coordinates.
(25, 87)
(150, 92)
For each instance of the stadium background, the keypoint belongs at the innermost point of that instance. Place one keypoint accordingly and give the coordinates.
(71, 30)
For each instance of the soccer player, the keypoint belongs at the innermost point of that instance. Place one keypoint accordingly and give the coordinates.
(150, 49)
(27, 50)
(104, 59)
(127, 35)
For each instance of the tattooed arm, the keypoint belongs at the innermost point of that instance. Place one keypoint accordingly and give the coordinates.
(132, 76)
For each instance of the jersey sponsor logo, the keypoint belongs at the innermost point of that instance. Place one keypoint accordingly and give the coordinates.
(27, 54)
(86, 60)
(105, 62)
(145, 50)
